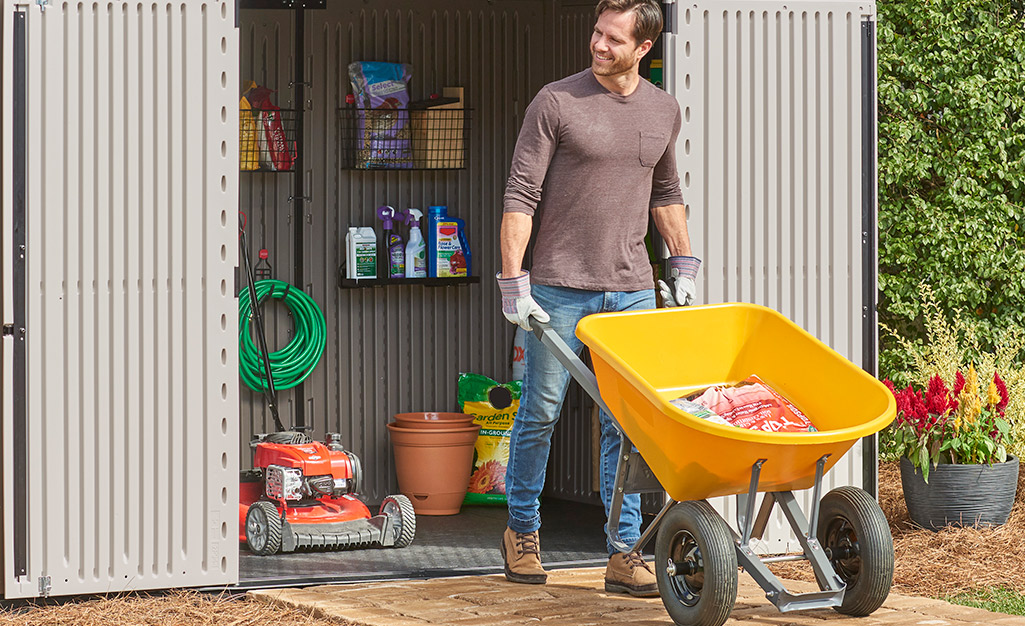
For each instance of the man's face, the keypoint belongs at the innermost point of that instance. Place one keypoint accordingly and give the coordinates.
(613, 49)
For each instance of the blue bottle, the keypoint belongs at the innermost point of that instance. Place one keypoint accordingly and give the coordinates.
(435, 213)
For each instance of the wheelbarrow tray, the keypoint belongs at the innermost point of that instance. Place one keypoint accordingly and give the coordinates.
(642, 360)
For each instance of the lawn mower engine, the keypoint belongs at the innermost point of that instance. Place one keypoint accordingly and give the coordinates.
(302, 495)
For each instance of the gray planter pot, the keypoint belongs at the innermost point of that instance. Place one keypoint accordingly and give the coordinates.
(960, 495)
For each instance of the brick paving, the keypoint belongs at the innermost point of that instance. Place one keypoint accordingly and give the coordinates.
(577, 597)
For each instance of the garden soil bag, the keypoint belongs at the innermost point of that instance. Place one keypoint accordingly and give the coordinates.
(494, 407)
(748, 404)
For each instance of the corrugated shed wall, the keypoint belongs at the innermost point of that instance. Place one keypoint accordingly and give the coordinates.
(130, 363)
(770, 158)
(397, 348)
(266, 51)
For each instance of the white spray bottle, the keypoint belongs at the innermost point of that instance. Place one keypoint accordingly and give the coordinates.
(416, 249)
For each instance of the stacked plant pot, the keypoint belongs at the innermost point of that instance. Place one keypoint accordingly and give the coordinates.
(433, 459)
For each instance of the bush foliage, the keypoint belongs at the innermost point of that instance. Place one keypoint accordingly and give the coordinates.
(951, 77)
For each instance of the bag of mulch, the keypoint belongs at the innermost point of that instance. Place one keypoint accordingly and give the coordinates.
(275, 153)
(383, 132)
(750, 404)
(494, 407)
(248, 159)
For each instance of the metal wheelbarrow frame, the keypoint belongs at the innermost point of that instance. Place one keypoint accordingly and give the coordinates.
(845, 535)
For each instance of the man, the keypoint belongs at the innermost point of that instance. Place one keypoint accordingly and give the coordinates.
(595, 154)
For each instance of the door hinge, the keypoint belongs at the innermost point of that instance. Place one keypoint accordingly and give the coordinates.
(44, 586)
(8, 330)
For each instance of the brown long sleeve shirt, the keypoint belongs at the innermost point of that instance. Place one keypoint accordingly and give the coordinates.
(592, 163)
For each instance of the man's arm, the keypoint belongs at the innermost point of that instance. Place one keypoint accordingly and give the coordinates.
(671, 221)
(515, 235)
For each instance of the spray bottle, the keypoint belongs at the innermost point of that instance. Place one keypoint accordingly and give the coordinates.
(391, 249)
(416, 249)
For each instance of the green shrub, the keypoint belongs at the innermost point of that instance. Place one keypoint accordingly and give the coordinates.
(951, 168)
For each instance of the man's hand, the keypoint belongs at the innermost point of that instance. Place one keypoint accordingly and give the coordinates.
(517, 304)
(682, 272)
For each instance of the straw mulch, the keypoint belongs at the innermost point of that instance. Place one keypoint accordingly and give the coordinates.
(933, 564)
(178, 608)
(953, 560)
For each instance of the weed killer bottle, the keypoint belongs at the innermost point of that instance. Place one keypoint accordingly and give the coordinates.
(416, 249)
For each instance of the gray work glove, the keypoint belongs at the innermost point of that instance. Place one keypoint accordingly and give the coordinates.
(517, 303)
(682, 272)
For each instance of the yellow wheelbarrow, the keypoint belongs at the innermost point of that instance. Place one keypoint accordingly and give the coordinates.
(642, 360)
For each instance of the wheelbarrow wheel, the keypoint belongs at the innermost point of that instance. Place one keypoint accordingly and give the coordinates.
(856, 537)
(263, 528)
(696, 565)
(400, 510)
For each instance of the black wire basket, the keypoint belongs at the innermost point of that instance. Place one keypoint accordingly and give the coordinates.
(423, 138)
(267, 140)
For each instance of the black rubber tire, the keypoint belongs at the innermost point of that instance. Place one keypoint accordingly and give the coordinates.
(400, 510)
(693, 532)
(263, 528)
(856, 536)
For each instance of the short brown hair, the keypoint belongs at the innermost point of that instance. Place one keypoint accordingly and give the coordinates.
(647, 16)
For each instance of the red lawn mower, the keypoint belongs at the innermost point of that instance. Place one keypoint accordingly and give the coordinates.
(301, 494)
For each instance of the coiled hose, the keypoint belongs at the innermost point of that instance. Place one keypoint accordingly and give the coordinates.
(292, 364)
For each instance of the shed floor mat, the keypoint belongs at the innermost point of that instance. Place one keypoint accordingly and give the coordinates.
(572, 535)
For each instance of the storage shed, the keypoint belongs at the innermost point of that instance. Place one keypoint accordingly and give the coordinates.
(125, 425)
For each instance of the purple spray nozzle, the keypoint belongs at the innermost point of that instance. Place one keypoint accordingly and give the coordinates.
(387, 214)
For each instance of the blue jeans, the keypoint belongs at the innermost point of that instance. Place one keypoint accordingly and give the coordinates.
(545, 381)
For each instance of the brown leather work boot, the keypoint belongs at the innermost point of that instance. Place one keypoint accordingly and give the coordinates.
(522, 555)
(628, 573)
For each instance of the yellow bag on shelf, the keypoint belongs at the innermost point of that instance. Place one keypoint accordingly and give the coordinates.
(248, 156)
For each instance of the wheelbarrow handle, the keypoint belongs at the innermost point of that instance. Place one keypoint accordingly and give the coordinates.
(569, 359)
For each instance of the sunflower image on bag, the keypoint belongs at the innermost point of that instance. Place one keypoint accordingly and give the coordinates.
(494, 407)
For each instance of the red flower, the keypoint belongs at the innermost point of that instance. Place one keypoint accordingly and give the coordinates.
(917, 412)
(937, 398)
(959, 383)
(1002, 389)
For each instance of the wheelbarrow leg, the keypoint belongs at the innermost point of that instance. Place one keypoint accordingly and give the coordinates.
(833, 586)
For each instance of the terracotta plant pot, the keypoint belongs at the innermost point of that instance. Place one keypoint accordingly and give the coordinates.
(433, 419)
(960, 495)
(433, 466)
(432, 425)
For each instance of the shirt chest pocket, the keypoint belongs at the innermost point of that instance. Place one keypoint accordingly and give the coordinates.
(652, 147)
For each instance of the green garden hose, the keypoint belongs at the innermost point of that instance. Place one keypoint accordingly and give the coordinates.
(293, 363)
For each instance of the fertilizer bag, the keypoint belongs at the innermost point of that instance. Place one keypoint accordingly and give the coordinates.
(382, 104)
(494, 407)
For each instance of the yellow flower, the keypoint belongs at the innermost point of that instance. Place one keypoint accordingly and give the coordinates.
(957, 424)
(992, 395)
(970, 406)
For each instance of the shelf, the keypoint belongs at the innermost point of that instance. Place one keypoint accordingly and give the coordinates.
(352, 283)
(404, 139)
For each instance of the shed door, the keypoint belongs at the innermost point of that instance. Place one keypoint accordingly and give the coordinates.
(777, 165)
(120, 193)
